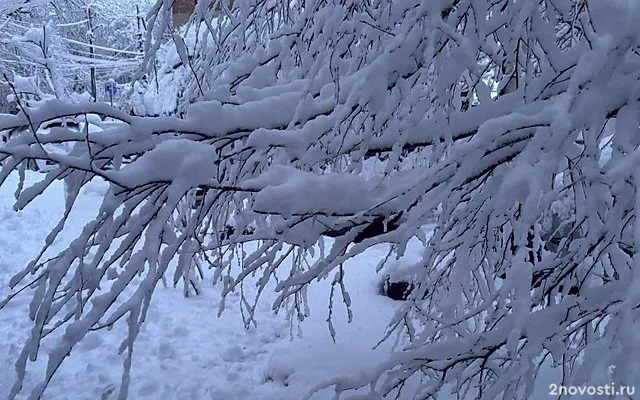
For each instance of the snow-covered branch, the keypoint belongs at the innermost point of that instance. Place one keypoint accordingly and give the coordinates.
(333, 126)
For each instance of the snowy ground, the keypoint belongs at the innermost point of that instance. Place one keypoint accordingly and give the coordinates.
(185, 351)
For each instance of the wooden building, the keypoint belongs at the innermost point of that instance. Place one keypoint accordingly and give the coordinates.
(182, 10)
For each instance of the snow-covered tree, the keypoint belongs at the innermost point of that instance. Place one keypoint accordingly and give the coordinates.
(69, 47)
(502, 134)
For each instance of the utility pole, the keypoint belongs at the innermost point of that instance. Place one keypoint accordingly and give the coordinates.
(141, 28)
(92, 69)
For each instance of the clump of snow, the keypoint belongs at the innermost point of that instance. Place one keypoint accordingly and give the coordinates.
(516, 185)
(289, 191)
(96, 188)
(615, 17)
(182, 162)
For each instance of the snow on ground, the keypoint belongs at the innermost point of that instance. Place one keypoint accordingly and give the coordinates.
(184, 350)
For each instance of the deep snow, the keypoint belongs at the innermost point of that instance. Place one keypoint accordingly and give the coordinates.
(185, 351)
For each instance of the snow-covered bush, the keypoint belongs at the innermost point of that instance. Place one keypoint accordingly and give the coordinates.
(500, 105)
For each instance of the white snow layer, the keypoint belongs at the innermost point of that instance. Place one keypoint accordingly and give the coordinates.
(184, 350)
